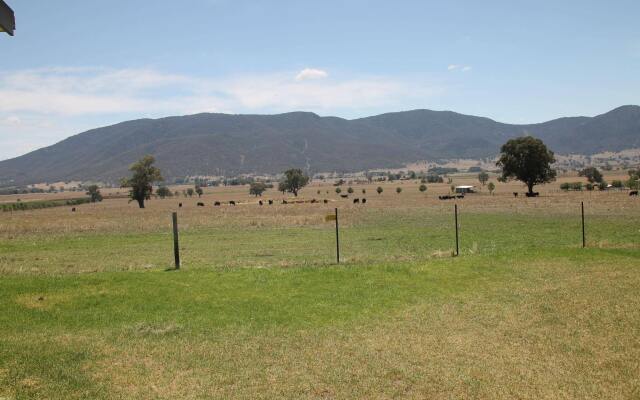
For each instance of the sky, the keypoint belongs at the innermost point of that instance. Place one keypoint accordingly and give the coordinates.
(74, 65)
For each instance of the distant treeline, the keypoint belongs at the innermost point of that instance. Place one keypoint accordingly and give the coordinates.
(38, 204)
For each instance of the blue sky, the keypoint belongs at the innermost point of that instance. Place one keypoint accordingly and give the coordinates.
(77, 64)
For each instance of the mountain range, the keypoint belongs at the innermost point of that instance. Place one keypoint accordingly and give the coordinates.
(224, 144)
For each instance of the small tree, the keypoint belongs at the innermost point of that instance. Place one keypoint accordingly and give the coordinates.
(144, 174)
(257, 188)
(423, 188)
(592, 174)
(491, 186)
(199, 191)
(527, 159)
(190, 192)
(364, 191)
(379, 189)
(338, 190)
(634, 179)
(483, 177)
(163, 192)
(350, 190)
(294, 180)
(95, 194)
(282, 187)
(398, 190)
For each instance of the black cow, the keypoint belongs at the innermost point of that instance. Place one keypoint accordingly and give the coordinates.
(270, 202)
(446, 197)
(534, 194)
(284, 202)
(73, 209)
(216, 204)
(260, 202)
(356, 201)
(180, 205)
(364, 201)
(460, 196)
(233, 203)
(326, 201)
(515, 194)
(200, 204)
(633, 193)
(344, 196)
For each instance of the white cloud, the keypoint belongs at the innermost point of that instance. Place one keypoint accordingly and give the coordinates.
(97, 91)
(13, 120)
(463, 68)
(311, 73)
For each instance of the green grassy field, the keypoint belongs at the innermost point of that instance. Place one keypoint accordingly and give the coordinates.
(259, 310)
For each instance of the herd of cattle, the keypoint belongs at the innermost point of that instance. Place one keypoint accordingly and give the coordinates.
(357, 200)
(271, 202)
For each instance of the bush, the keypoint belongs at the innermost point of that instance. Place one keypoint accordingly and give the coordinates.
(36, 205)
(617, 184)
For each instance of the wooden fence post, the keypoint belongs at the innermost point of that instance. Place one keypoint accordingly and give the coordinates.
(456, 220)
(176, 243)
(584, 239)
(337, 239)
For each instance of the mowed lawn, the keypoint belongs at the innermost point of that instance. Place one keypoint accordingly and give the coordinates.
(260, 310)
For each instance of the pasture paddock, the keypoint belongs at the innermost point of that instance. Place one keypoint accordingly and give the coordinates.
(91, 308)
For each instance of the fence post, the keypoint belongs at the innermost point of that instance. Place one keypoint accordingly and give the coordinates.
(456, 220)
(337, 239)
(584, 239)
(176, 244)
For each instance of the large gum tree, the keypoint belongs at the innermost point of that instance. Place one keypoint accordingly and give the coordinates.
(527, 159)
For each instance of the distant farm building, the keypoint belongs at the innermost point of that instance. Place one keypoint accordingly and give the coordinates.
(465, 189)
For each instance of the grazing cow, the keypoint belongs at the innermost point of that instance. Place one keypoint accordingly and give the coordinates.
(364, 201)
(73, 209)
(233, 203)
(515, 194)
(633, 193)
(326, 201)
(217, 203)
(284, 202)
(534, 194)
(180, 205)
(260, 202)
(460, 196)
(344, 196)
(356, 201)
(270, 202)
(314, 201)
(200, 204)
